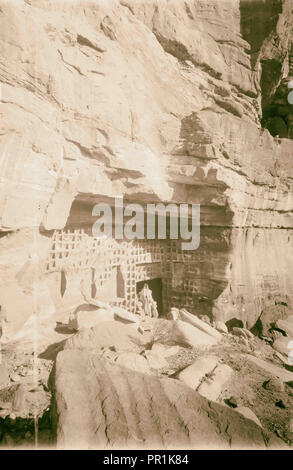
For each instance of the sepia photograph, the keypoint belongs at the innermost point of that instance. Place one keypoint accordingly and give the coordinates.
(146, 228)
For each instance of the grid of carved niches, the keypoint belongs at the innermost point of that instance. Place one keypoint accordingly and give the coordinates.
(138, 260)
(77, 250)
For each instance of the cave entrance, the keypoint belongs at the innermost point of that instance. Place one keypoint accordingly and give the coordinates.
(156, 286)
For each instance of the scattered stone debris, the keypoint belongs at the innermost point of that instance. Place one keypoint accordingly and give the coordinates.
(184, 349)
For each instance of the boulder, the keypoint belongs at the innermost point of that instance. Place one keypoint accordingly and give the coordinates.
(194, 336)
(283, 345)
(125, 315)
(212, 387)
(269, 316)
(221, 327)
(179, 332)
(199, 324)
(87, 319)
(286, 360)
(205, 319)
(174, 314)
(156, 360)
(248, 333)
(194, 374)
(98, 405)
(239, 332)
(14, 377)
(107, 334)
(115, 312)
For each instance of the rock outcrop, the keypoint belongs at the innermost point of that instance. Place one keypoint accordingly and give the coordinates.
(155, 101)
(98, 405)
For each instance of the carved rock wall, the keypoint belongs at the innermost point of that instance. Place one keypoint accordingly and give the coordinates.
(157, 101)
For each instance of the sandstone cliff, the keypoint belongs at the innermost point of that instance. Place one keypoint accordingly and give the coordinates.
(158, 101)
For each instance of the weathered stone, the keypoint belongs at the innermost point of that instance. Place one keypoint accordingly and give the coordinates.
(134, 362)
(181, 333)
(14, 377)
(194, 126)
(87, 319)
(244, 341)
(156, 360)
(123, 314)
(195, 373)
(248, 333)
(221, 327)
(269, 316)
(239, 332)
(285, 359)
(107, 334)
(99, 405)
(173, 314)
(193, 336)
(205, 319)
(212, 387)
(201, 325)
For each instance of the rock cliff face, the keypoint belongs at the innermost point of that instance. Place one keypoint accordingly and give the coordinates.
(157, 101)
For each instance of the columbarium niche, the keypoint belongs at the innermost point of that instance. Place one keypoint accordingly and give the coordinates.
(80, 267)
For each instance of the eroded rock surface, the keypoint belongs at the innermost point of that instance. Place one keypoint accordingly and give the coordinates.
(155, 101)
(101, 405)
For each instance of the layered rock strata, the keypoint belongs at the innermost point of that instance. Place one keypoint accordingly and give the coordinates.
(155, 101)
